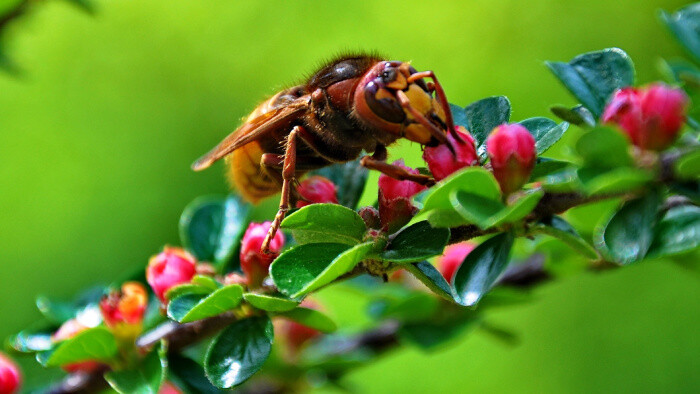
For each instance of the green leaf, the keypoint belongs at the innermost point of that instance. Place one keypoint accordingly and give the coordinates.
(190, 307)
(563, 181)
(318, 223)
(688, 165)
(459, 116)
(490, 213)
(211, 228)
(92, 344)
(677, 232)
(593, 77)
(186, 288)
(311, 318)
(475, 180)
(627, 236)
(545, 131)
(270, 303)
(481, 268)
(685, 25)
(604, 147)
(577, 115)
(688, 189)
(618, 180)
(409, 306)
(297, 269)
(145, 379)
(445, 218)
(430, 334)
(190, 376)
(483, 116)
(207, 282)
(57, 312)
(545, 166)
(349, 179)
(239, 351)
(431, 278)
(30, 342)
(416, 243)
(559, 228)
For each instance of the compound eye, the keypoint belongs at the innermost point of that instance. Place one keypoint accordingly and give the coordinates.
(388, 75)
(383, 103)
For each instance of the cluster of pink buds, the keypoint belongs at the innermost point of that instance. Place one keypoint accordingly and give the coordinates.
(10, 376)
(651, 116)
(452, 258)
(255, 264)
(316, 190)
(511, 150)
(122, 311)
(171, 267)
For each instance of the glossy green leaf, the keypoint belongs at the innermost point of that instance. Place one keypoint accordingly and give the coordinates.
(484, 115)
(30, 342)
(688, 189)
(189, 375)
(417, 242)
(459, 116)
(55, 311)
(604, 147)
(545, 131)
(239, 351)
(206, 281)
(146, 378)
(593, 77)
(475, 180)
(445, 218)
(92, 344)
(270, 303)
(190, 307)
(685, 25)
(490, 213)
(311, 318)
(618, 180)
(545, 166)
(318, 223)
(577, 115)
(297, 269)
(688, 166)
(431, 278)
(186, 288)
(677, 232)
(559, 228)
(211, 227)
(349, 179)
(562, 181)
(481, 268)
(627, 236)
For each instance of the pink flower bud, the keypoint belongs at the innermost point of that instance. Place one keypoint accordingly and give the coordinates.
(68, 330)
(442, 162)
(452, 258)
(123, 310)
(170, 268)
(395, 208)
(169, 388)
(254, 263)
(511, 149)
(10, 376)
(316, 190)
(651, 116)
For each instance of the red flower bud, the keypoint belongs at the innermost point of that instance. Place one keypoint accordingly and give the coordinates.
(254, 263)
(170, 268)
(370, 216)
(395, 208)
(123, 310)
(442, 162)
(316, 190)
(511, 149)
(651, 117)
(10, 376)
(452, 258)
(68, 330)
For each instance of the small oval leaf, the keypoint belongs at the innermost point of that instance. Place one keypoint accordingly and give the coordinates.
(190, 307)
(92, 344)
(270, 303)
(311, 318)
(320, 223)
(416, 243)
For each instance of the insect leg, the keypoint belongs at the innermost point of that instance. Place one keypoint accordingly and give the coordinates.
(395, 172)
(442, 99)
(288, 175)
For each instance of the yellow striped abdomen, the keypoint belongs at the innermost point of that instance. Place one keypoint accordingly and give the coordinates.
(246, 176)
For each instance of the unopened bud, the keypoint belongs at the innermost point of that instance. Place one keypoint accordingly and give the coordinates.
(254, 263)
(10, 376)
(452, 258)
(651, 116)
(316, 190)
(511, 149)
(168, 269)
(442, 162)
(395, 207)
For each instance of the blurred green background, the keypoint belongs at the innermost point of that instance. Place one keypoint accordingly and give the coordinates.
(98, 131)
